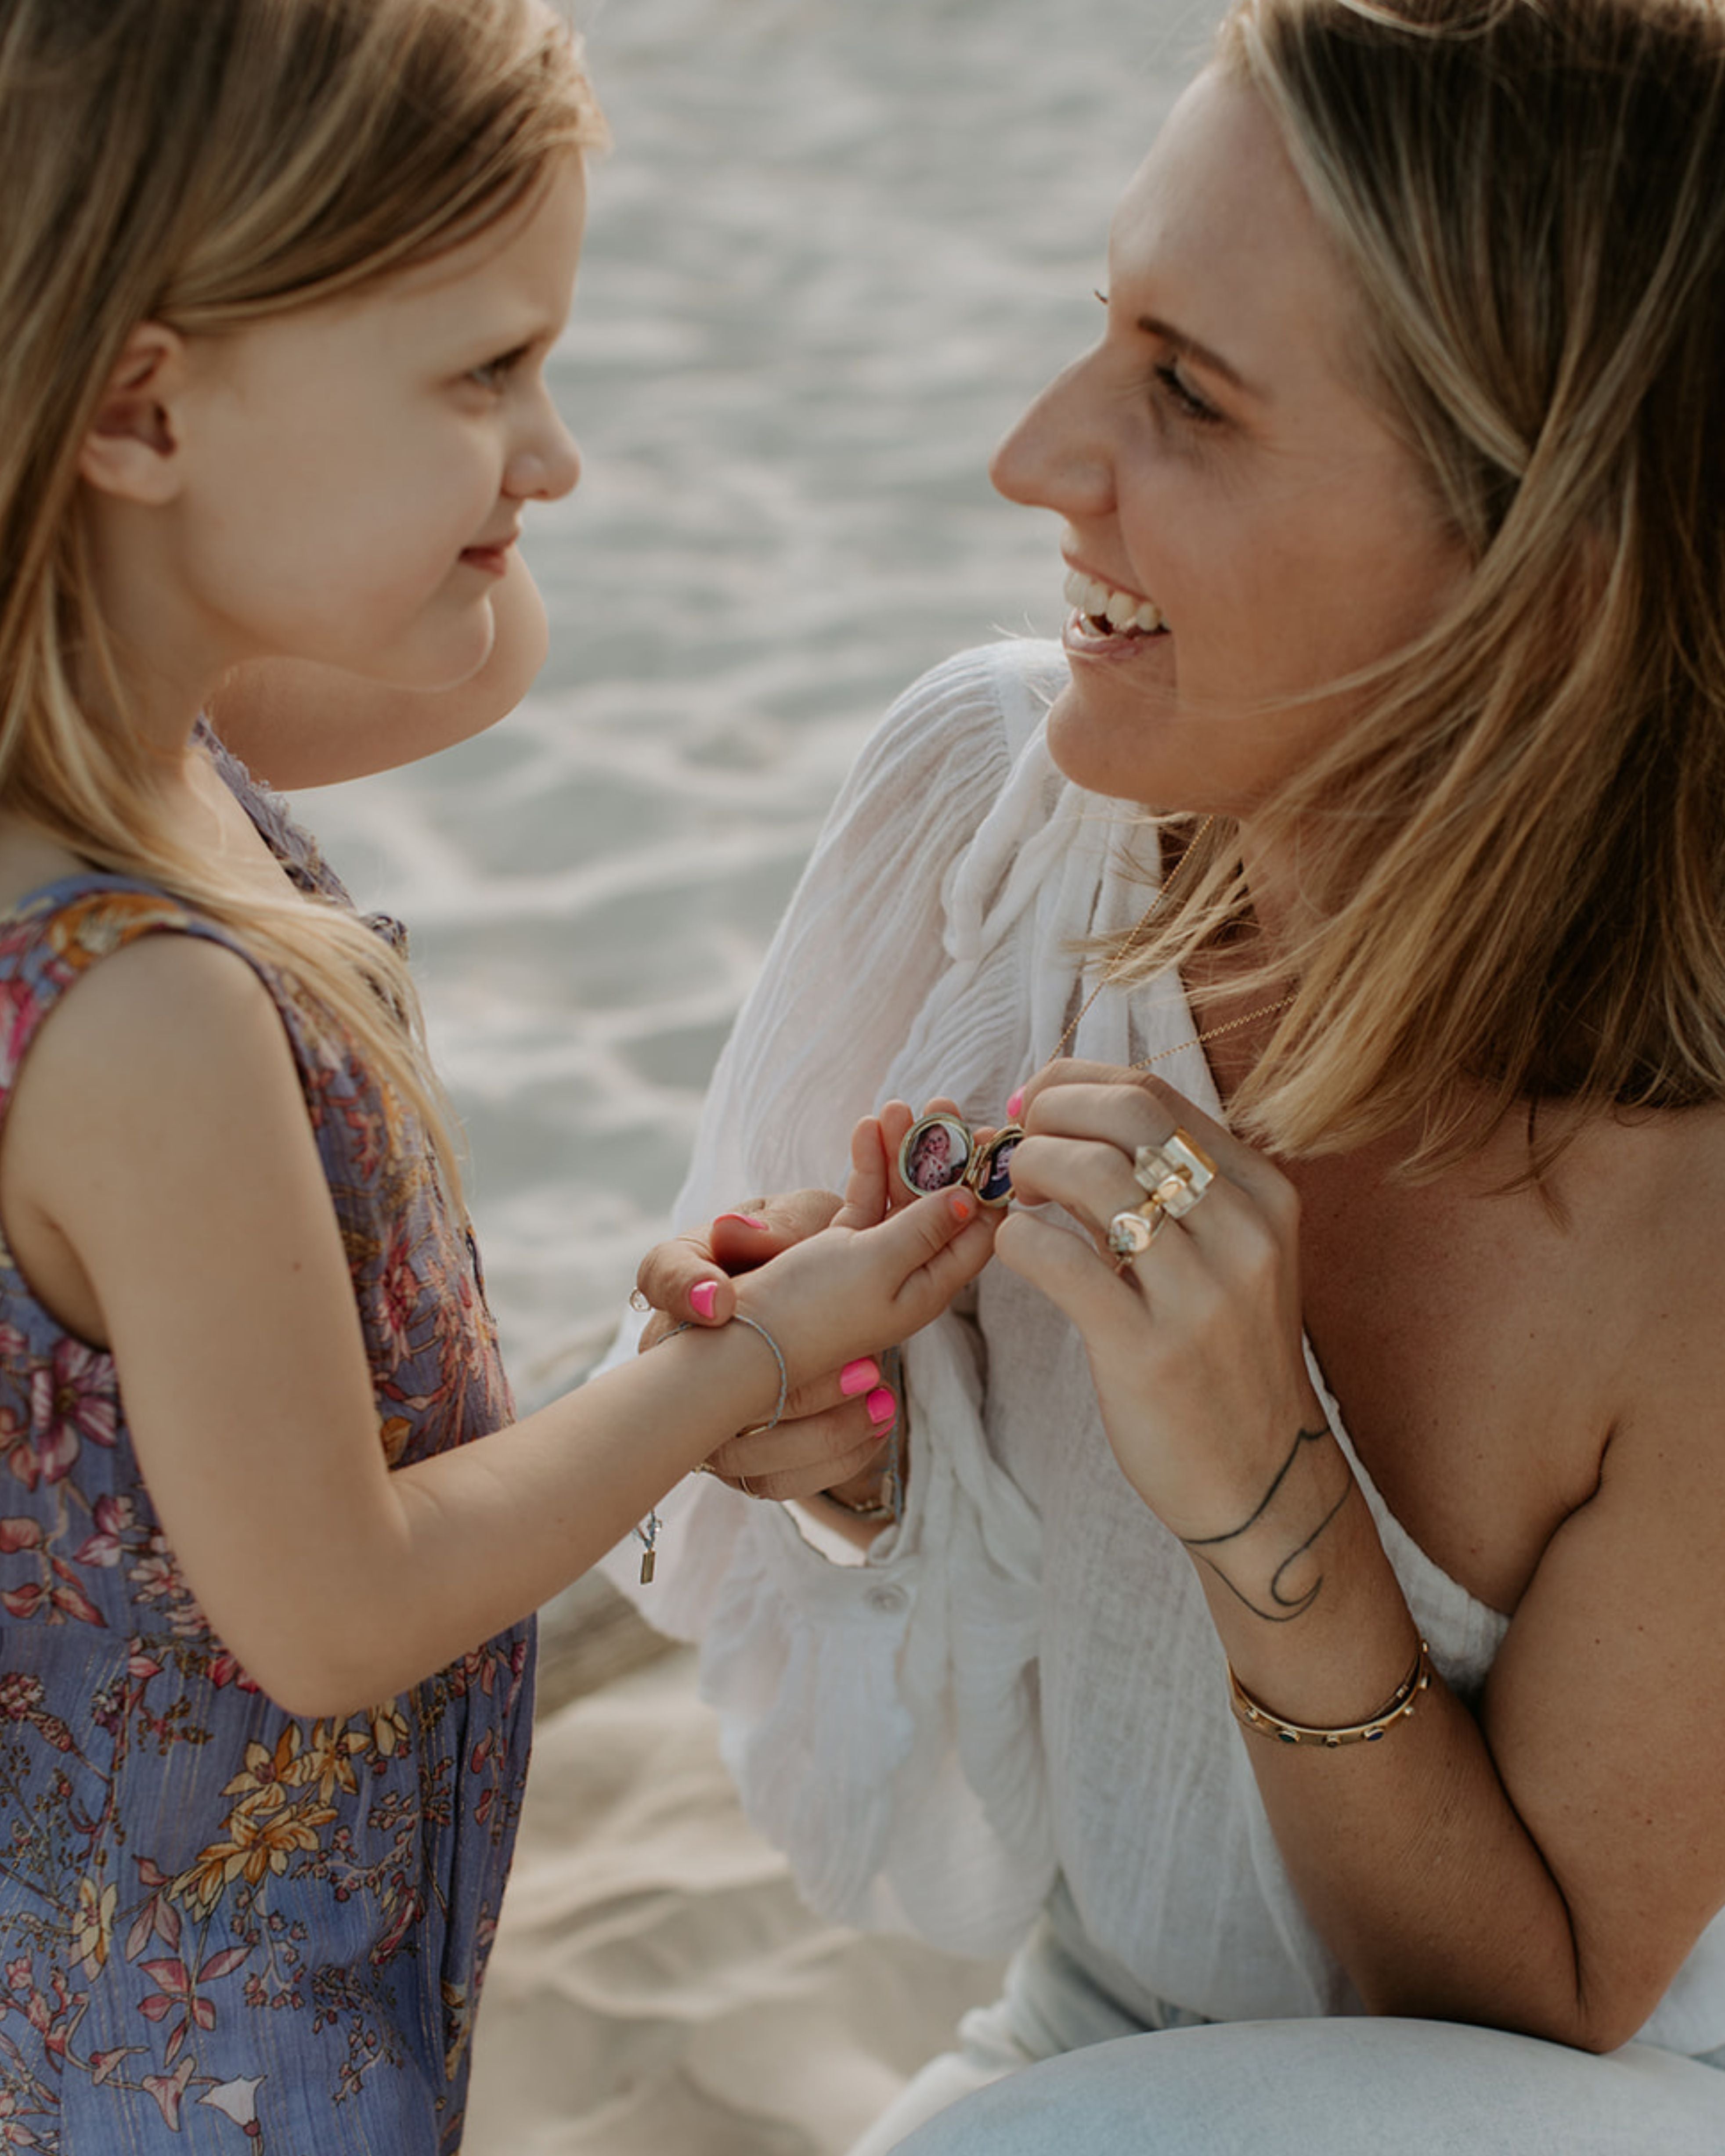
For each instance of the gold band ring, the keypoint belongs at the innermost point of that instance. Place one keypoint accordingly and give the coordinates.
(1132, 1232)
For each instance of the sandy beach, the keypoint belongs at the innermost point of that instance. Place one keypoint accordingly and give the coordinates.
(656, 1984)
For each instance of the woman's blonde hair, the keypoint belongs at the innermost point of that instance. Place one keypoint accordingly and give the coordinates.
(1516, 856)
(205, 164)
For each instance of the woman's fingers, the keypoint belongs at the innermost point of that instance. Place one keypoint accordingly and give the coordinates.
(800, 1458)
(1094, 1182)
(1105, 1311)
(1125, 1111)
(1090, 1100)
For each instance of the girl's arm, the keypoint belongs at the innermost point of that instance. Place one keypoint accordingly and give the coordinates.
(158, 1158)
(296, 725)
(1546, 1868)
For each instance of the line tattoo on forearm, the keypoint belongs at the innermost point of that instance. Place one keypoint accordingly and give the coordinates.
(1287, 1507)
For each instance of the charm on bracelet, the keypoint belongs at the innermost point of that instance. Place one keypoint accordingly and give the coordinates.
(939, 1152)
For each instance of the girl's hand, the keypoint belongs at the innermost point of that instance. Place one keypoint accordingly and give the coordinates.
(837, 1429)
(875, 1275)
(688, 1280)
(1195, 1345)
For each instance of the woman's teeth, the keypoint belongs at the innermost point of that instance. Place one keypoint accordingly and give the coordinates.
(1109, 609)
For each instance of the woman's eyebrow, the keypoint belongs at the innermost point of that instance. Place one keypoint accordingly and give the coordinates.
(1190, 348)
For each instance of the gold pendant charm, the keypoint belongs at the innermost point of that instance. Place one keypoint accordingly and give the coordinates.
(940, 1153)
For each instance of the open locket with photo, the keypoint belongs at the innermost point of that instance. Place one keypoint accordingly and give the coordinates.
(940, 1153)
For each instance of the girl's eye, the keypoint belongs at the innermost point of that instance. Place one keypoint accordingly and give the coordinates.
(496, 371)
(1184, 398)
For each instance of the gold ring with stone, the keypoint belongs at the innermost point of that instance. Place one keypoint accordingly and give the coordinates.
(1176, 1173)
(1132, 1232)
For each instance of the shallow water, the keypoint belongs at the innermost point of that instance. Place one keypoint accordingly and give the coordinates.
(837, 246)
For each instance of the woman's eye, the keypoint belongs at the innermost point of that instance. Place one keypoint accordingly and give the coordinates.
(1184, 398)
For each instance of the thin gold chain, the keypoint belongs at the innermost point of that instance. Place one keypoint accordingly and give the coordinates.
(1125, 952)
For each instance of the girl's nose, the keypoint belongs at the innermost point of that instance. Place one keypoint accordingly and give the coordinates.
(548, 464)
(1057, 456)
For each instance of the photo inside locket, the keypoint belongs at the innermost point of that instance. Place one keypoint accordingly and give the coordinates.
(994, 1179)
(935, 1154)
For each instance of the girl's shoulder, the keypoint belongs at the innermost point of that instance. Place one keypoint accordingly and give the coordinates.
(55, 936)
(133, 1035)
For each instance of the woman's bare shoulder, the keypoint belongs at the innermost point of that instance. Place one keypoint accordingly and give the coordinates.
(1648, 1192)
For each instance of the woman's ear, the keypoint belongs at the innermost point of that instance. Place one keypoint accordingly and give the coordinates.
(132, 450)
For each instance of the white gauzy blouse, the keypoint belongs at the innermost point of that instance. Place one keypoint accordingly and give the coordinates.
(1022, 1679)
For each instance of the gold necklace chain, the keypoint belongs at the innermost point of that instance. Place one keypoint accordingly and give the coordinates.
(1125, 952)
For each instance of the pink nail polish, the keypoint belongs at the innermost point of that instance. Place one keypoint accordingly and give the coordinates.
(1015, 1106)
(881, 1405)
(747, 1220)
(702, 1298)
(857, 1377)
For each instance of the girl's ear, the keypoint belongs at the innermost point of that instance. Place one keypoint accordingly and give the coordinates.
(132, 450)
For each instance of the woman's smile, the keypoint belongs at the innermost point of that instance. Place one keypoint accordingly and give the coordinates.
(1243, 528)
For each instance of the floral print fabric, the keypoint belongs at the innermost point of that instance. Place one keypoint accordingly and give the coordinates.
(224, 1927)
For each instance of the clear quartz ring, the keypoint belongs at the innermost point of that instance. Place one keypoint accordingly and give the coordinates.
(1176, 1173)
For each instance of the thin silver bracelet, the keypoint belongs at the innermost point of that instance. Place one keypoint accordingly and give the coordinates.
(647, 1531)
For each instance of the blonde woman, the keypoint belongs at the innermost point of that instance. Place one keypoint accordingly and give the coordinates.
(1303, 1634)
(277, 286)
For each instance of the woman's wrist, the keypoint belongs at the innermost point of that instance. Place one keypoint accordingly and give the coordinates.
(1313, 1620)
(1273, 1552)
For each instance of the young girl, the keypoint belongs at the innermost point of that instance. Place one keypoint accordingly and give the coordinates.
(279, 282)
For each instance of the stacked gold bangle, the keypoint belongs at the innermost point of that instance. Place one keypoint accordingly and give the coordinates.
(1252, 1714)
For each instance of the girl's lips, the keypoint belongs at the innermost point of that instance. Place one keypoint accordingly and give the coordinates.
(494, 561)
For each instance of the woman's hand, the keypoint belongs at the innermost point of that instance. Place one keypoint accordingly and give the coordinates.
(1196, 1344)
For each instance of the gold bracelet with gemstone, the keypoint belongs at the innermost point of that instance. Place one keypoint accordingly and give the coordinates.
(1252, 1714)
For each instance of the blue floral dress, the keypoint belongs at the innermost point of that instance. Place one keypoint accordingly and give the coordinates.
(224, 1927)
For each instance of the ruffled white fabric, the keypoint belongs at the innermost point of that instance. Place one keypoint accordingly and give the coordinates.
(1023, 1677)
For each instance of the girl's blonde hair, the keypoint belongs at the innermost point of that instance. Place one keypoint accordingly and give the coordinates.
(205, 164)
(1516, 856)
